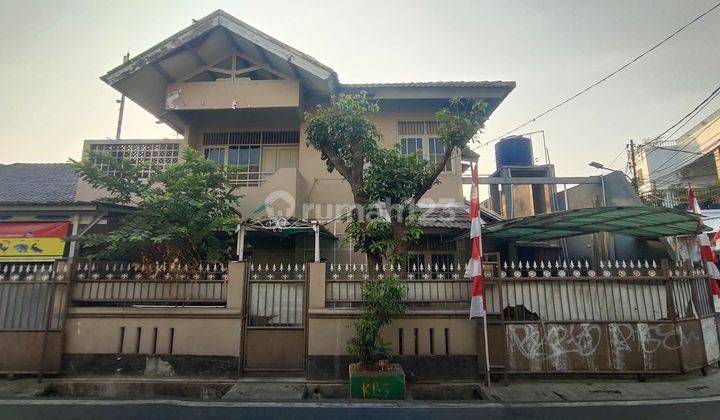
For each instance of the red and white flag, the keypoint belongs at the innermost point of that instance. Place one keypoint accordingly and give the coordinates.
(707, 255)
(474, 268)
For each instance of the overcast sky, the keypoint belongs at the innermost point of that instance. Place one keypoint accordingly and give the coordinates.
(54, 51)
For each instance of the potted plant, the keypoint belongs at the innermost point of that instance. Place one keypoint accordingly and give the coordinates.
(374, 377)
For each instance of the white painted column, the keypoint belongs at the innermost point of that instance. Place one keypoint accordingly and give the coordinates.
(74, 232)
(316, 229)
(241, 241)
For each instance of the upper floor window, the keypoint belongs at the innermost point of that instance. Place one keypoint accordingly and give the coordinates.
(215, 154)
(436, 151)
(421, 137)
(411, 145)
(252, 157)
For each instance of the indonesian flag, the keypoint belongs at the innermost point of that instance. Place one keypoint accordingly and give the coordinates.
(706, 254)
(474, 268)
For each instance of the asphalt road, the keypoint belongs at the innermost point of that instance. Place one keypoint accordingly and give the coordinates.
(696, 408)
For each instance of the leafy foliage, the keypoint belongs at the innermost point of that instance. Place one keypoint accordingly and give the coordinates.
(382, 301)
(181, 212)
(348, 141)
(343, 133)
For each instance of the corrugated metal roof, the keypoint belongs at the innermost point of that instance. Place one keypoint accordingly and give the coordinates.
(37, 183)
(642, 222)
(486, 83)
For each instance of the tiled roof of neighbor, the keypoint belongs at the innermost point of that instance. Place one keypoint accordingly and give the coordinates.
(495, 83)
(37, 183)
(451, 217)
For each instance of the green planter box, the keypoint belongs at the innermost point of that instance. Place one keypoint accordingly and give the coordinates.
(377, 385)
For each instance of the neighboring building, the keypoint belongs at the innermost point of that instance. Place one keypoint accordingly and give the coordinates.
(693, 158)
(39, 211)
(240, 96)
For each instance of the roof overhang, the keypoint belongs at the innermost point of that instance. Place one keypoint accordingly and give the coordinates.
(77, 206)
(642, 222)
(492, 92)
(145, 77)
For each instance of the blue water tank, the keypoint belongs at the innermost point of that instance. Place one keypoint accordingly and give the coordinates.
(514, 151)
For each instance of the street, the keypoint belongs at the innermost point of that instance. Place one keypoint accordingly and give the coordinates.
(695, 408)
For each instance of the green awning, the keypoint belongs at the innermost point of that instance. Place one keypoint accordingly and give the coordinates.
(641, 222)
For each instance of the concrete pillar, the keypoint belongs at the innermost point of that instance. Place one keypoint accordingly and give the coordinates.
(316, 285)
(316, 230)
(236, 284)
(241, 241)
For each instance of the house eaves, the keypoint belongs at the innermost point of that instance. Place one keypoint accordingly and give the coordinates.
(220, 18)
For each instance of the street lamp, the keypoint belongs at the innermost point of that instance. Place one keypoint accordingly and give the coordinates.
(598, 165)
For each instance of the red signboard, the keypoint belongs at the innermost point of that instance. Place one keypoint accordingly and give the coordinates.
(34, 229)
(32, 241)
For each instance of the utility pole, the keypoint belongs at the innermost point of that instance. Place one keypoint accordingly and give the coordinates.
(121, 101)
(634, 166)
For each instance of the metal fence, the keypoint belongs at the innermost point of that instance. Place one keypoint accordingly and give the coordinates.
(547, 291)
(155, 284)
(276, 295)
(32, 297)
(439, 285)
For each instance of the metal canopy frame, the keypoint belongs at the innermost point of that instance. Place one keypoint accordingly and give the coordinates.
(642, 222)
(283, 226)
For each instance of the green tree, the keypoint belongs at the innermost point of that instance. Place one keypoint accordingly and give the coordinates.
(184, 213)
(348, 142)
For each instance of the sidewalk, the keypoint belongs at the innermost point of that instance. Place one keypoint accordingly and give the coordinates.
(690, 385)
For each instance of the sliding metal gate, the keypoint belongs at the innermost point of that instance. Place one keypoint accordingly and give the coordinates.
(32, 310)
(275, 323)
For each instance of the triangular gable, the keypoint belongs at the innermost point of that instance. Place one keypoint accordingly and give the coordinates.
(250, 42)
(216, 46)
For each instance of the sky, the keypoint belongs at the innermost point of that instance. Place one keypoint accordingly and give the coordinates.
(53, 53)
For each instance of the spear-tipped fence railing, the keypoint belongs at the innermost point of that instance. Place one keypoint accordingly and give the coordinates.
(426, 285)
(105, 283)
(543, 290)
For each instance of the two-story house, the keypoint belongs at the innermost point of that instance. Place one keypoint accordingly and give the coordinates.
(240, 96)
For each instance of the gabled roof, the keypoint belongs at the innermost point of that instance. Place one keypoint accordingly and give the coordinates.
(201, 52)
(37, 183)
(496, 83)
(193, 53)
(238, 28)
(451, 217)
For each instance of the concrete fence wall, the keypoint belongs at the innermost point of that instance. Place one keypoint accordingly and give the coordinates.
(431, 342)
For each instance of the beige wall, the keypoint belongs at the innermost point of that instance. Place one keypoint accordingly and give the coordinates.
(330, 329)
(311, 183)
(233, 94)
(324, 188)
(196, 331)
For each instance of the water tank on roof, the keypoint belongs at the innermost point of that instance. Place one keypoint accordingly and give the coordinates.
(514, 151)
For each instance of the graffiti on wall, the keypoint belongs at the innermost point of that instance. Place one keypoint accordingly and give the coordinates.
(556, 346)
(588, 347)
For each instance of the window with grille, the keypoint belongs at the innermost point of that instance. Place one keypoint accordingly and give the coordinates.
(242, 152)
(159, 155)
(421, 137)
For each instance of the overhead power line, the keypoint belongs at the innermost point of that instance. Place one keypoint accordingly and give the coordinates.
(689, 142)
(687, 117)
(618, 70)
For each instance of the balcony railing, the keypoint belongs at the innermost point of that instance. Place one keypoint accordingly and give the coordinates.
(248, 179)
